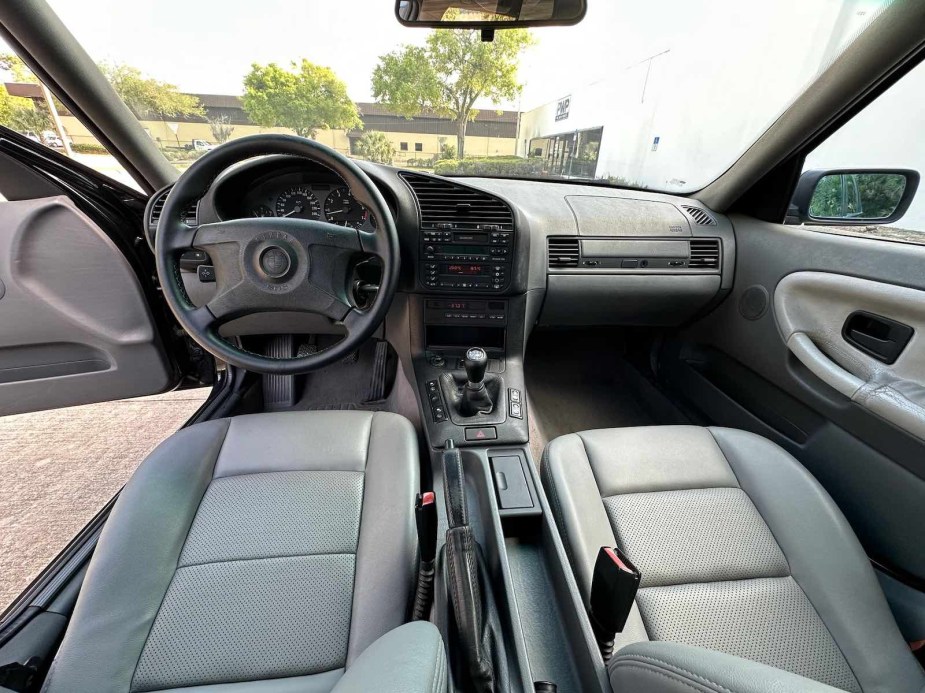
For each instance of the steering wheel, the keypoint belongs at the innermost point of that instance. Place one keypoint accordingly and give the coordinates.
(272, 263)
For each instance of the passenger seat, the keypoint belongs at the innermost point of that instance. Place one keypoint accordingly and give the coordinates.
(752, 579)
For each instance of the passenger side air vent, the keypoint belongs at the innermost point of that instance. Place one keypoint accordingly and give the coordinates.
(563, 252)
(442, 202)
(699, 216)
(704, 253)
(157, 207)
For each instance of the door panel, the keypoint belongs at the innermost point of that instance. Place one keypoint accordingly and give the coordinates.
(74, 324)
(735, 368)
(837, 325)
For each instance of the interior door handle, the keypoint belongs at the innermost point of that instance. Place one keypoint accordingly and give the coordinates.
(822, 366)
(876, 336)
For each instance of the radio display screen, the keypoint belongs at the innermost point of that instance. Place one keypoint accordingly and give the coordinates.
(470, 238)
(463, 250)
(464, 269)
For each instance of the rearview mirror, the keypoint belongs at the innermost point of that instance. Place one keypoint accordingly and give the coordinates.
(852, 197)
(488, 14)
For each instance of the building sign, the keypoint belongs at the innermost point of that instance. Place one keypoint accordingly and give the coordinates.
(562, 108)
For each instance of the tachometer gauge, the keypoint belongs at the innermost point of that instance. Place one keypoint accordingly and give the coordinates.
(262, 211)
(341, 207)
(299, 203)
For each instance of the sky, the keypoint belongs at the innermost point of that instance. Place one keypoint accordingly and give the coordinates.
(207, 46)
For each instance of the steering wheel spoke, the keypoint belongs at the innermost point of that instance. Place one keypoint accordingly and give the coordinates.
(180, 241)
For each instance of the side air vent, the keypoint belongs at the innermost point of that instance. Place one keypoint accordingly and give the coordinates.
(699, 216)
(563, 252)
(157, 207)
(704, 253)
(443, 202)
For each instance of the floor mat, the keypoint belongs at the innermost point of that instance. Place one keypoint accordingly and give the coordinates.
(578, 381)
(347, 384)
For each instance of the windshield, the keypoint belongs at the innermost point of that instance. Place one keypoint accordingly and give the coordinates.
(663, 95)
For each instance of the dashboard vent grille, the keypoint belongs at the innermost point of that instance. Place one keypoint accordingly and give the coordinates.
(443, 202)
(704, 253)
(157, 207)
(700, 216)
(563, 252)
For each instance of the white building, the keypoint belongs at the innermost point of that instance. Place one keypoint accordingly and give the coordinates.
(681, 114)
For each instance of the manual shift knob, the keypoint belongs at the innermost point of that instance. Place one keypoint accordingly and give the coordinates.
(475, 363)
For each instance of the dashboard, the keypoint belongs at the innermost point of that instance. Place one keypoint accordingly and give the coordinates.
(579, 254)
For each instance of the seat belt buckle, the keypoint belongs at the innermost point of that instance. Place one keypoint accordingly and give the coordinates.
(613, 590)
(425, 515)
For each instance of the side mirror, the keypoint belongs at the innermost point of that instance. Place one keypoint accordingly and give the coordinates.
(846, 197)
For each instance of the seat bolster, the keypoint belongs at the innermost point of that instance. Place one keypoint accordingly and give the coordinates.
(386, 557)
(408, 659)
(669, 667)
(134, 562)
(581, 518)
(825, 559)
(576, 502)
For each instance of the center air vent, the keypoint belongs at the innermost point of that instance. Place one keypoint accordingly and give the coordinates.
(699, 216)
(443, 202)
(157, 207)
(704, 253)
(563, 252)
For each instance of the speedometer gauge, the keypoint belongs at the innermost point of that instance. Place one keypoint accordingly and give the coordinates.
(341, 207)
(298, 202)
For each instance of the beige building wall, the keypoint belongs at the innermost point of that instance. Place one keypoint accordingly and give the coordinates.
(161, 132)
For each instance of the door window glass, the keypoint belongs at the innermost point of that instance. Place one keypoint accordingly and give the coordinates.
(884, 136)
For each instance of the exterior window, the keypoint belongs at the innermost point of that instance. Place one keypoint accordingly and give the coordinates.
(882, 136)
(403, 146)
(419, 146)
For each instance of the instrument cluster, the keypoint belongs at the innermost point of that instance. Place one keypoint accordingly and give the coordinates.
(324, 202)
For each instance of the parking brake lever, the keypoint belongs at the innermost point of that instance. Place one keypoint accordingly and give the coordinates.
(462, 561)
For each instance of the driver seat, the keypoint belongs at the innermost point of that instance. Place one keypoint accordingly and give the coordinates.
(268, 553)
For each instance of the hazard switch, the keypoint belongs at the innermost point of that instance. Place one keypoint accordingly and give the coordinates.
(486, 433)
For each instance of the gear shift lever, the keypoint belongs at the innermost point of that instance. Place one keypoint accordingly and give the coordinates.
(475, 396)
(475, 363)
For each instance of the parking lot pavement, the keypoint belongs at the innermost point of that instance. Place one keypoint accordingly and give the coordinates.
(59, 467)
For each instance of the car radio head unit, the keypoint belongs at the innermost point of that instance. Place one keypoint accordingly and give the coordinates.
(471, 260)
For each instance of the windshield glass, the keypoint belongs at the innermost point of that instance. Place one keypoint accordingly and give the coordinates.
(663, 95)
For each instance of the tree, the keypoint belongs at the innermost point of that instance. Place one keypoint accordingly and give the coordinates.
(9, 62)
(149, 97)
(306, 98)
(449, 74)
(221, 130)
(21, 114)
(375, 146)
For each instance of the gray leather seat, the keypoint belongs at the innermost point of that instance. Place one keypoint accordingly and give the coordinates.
(752, 580)
(271, 553)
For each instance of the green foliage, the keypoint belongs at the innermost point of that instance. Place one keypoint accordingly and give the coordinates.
(12, 63)
(306, 98)
(491, 166)
(88, 148)
(221, 129)
(148, 97)
(449, 74)
(422, 162)
(22, 115)
(447, 151)
(857, 196)
(375, 146)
